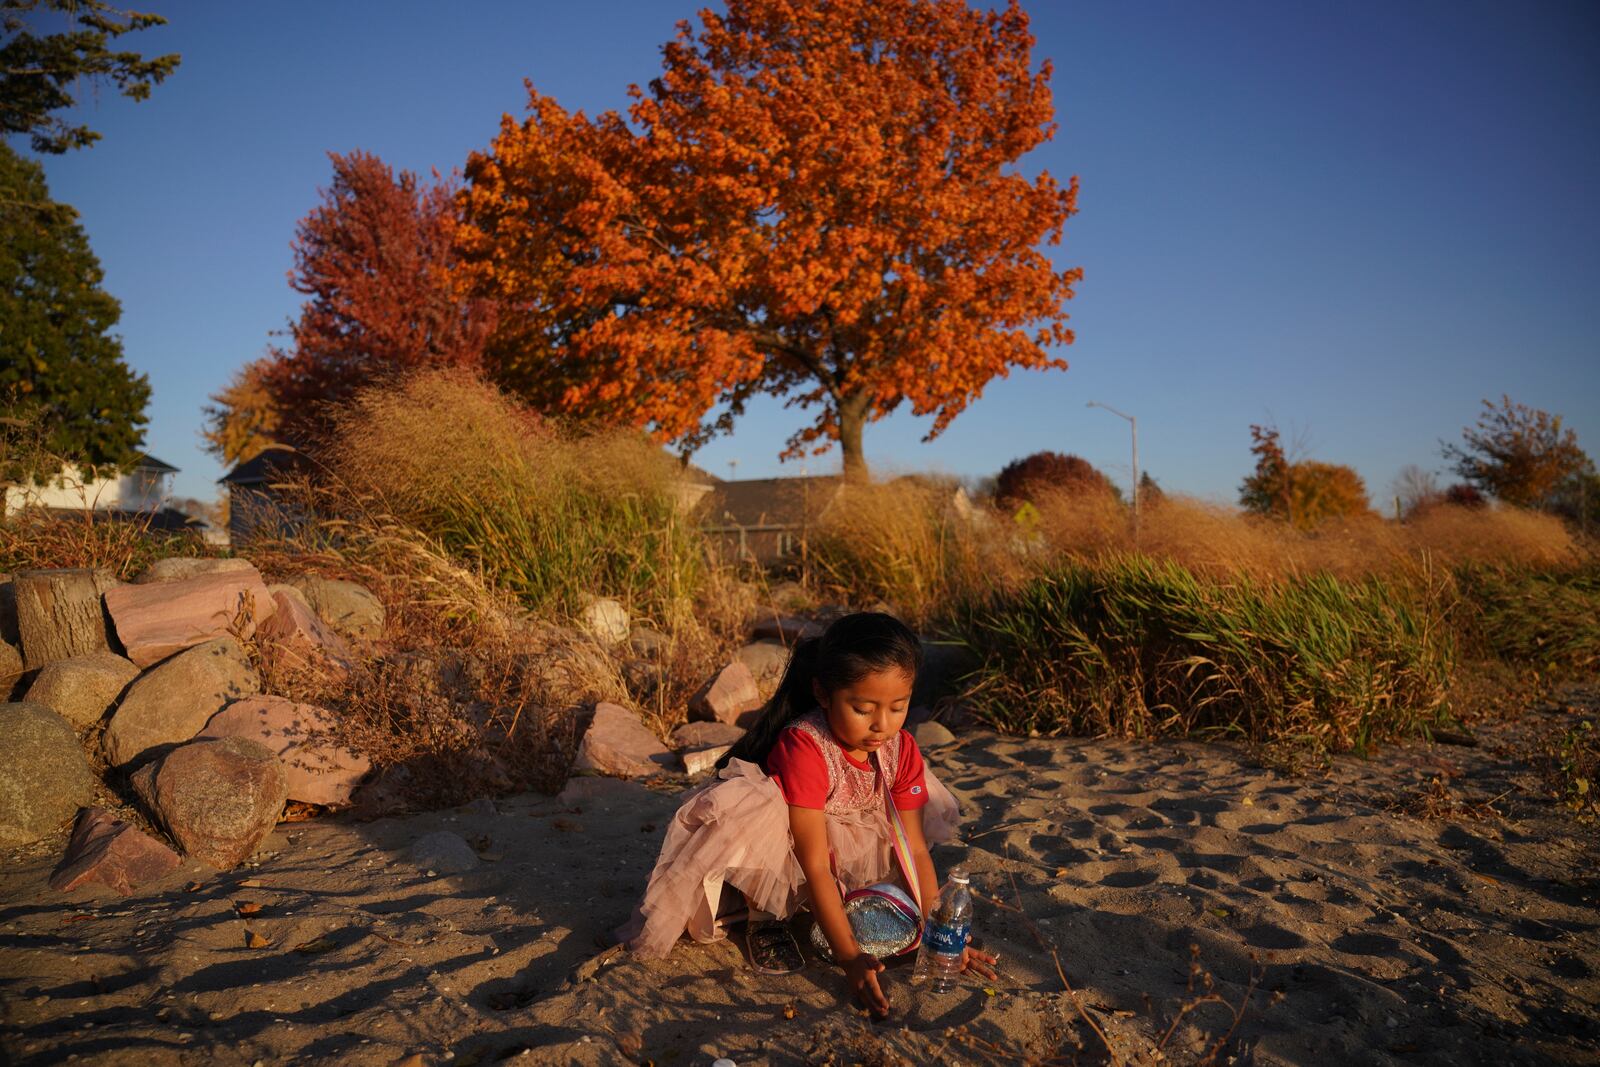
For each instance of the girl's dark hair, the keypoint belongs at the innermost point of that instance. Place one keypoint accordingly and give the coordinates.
(851, 648)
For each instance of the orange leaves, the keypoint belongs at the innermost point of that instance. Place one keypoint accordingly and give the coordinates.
(810, 200)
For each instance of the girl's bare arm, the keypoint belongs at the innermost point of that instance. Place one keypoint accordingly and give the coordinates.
(810, 831)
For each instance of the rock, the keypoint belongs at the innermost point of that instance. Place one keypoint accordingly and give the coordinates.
(944, 663)
(701, 744)
(787, 629)
(107, 850)
(789, 596)
(705, 735)
(443, 852)
(730, 697)
(296, 630)
(702, 759)
(60, 614)
(931, 735)
(649, 643)
(44, 777)
(83, 688)
(218, 798)
(177, 568)
(170, 703)
(767, 661)
(154, 621)
(618, 743)
(605, 619)
(317, 770)
(348, 607)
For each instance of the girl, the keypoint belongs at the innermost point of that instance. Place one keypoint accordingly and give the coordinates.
(799, 816)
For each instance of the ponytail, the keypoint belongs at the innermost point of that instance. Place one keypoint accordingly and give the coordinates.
(793, 699)
(852, 647)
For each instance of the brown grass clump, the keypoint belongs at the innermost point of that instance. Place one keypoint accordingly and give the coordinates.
(1494, 537)
(549, 513)
(36, 538)
(910, 543)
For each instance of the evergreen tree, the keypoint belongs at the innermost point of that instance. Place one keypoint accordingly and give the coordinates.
(40, 73)
(61, 367)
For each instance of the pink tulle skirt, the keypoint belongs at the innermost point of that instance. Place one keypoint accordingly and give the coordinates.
(735, 832)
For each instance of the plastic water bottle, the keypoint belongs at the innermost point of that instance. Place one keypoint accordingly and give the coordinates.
(945, 936)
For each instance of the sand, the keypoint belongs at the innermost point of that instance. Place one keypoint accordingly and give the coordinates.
(1382, 937)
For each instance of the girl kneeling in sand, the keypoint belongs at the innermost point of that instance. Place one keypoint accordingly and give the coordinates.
(799, 814)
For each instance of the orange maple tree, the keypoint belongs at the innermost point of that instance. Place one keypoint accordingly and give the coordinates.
(813, 200)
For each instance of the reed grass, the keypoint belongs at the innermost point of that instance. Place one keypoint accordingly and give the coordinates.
(1137, 647)
(554, 515)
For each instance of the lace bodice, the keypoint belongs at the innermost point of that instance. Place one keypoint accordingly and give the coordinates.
(850, 789)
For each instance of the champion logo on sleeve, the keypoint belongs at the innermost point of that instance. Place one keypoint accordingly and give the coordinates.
(915, 790)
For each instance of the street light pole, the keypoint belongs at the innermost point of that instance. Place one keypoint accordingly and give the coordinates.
(1134, 423)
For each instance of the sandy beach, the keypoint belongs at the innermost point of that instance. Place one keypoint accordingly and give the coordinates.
(1376, 936)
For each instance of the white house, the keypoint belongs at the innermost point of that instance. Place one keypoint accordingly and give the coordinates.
(146, 486)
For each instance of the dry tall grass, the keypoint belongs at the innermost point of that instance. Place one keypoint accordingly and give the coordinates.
(551, 514)
(909, 543)
(1220, 541)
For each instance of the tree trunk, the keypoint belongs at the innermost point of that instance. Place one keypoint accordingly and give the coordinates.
(852, 419)
(60, 614)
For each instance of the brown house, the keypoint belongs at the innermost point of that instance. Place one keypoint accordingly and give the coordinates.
(764, 520)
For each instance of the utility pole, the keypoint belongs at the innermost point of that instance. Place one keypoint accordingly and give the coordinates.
(1134, 423)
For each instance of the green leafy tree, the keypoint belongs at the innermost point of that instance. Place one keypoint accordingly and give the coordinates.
(61, 367)
(41, 72)
(1518, 454)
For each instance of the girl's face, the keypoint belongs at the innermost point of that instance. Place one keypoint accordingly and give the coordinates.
(869, 712)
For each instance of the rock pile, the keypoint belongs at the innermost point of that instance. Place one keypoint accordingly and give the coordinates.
(159, 665)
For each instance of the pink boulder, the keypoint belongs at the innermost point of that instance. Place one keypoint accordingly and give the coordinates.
(154, 621)
(618, 743)
(318, 771)
(107, 850)
(293, 628)
(732, 697)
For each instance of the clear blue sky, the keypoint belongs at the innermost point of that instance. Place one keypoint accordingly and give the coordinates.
(1356, 219)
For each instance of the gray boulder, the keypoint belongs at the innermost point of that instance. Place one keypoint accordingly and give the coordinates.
(648, 643)
(944, 663)
(83, 688)
(218, 798)
(705, 735)
(442, 852)
(348, 607)
(10, 667)
(44, 777)
(931, 735)
(605, 619)
(171, 702)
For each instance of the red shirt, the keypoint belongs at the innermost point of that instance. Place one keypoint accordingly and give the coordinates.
(797, 764)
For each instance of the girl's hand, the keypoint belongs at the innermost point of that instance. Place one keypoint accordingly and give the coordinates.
(861, 976)
(976, 961)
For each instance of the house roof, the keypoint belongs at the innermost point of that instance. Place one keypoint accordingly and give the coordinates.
(270, 463)
(169, 520)
(769, 501)
(147, 462)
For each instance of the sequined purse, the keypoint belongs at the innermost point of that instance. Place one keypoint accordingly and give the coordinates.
(884, 919)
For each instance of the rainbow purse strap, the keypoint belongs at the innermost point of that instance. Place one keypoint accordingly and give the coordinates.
(902, 845)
